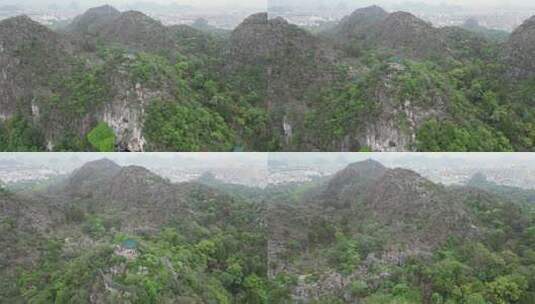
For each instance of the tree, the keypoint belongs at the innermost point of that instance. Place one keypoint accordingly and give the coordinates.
(255, 288)
(507, 289)
(186, 127)
(102, 138)
(345, 254)
(18, 134)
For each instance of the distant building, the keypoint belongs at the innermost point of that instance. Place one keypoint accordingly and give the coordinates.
(127, 249)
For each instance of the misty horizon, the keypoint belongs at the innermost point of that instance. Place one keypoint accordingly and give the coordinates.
(262, 169)
(481, 4)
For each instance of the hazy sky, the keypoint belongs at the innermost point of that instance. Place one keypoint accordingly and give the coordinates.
(91, 3)
(261, 159)
(466, 3)
(265, 3)
(216, 160)
(476, 159)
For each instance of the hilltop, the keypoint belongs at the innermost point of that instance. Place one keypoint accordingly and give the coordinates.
(368, 232)
(401, 32)
(521, 50)
(376, 80)
(369, 225)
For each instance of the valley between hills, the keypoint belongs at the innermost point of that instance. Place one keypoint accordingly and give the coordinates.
(374, 81)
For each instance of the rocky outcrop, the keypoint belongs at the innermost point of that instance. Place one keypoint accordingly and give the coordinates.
(29, 54)
(36, 64)
(351, 182)
(289, 59)
(137, 30)
(415, 215)
(394, 127)
(399, 32)
(359, 25)
(144, 200)
(132, 29)
(124, 111)
(520, 51)
(248, 43)
(408, 35)
(93, 19)
(396, 117)
(89, 179)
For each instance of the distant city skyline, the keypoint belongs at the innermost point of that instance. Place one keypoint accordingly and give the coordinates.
(259, 4)
(412, 3)
(262, 169)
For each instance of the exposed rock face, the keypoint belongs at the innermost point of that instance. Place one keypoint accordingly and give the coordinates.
(394, 128)
(520, 53)
(400, 32)
(392, 124)
(124, 111)
(126, 120)
(351, 181)
(29, 54)
(89, 179)
(360, 24)
(248, 40)
(290, 60)
(411, 36)
(131, 28)
(418, 215)
(94, 18)
(136, 30)
(401, 196)
(145, 200)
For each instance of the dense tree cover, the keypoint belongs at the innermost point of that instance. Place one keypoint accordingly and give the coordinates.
(437, 136)
(460, 101)
(186, 127)
(494, 266)
(19, 134)
(224, 111)
(216, 252)
(470, 107)
(339, 112)
(217, 256)
(102, 138)
(77, 93)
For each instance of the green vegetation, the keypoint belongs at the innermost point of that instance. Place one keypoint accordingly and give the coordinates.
(186, 127)
(494, 267)
(217, 256)
(335, 95)
(18, 134)
(102, 138)
(435, 136)
(77, 93)
(339, 112)
(214, 249)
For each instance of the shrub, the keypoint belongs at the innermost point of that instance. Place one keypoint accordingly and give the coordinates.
(102, 138)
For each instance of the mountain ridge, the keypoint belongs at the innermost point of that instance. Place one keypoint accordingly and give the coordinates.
(378, 81)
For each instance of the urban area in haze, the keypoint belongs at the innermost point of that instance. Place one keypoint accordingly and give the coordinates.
(227, 14)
